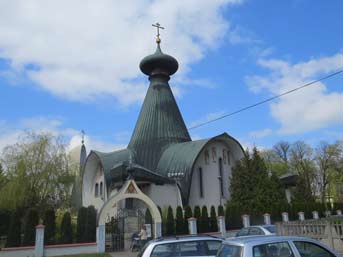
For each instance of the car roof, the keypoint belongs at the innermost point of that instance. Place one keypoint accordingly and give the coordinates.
(184, 239)
(262, 239)
(263, 226)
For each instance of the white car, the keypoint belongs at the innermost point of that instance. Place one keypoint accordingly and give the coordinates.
(257, 230)
(182, 246)
(274, 246)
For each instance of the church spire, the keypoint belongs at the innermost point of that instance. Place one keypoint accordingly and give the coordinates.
(160, 122)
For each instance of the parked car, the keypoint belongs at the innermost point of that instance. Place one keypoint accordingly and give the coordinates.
(182, 246)
(257, 230)
(274, 246)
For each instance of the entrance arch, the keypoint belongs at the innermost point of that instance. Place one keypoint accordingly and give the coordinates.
(131, 190)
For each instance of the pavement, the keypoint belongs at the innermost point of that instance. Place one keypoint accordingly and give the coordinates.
(127, 253)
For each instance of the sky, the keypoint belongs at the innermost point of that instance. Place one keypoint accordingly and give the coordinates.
(73, 65)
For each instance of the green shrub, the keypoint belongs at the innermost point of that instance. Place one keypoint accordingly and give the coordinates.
(170, 228)
(13, 236)
(90, 234)
(31, 221)
(213, 220)
(50, 226)
(221, 211)
(197, 215)
(204, 221)
(179, 222)
(233, 218)
(188, 214)
(66, 229)
(81, 225)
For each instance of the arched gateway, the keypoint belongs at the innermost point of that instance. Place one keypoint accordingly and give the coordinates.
(131, 190)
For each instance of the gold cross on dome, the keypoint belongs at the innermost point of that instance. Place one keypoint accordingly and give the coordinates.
(158, 26)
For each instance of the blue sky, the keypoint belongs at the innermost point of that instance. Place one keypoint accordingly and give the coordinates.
(72, 65)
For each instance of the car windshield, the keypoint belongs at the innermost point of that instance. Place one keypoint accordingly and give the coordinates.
(271, 229)
(230, 251)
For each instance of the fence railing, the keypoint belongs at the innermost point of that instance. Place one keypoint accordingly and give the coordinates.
(328, 230)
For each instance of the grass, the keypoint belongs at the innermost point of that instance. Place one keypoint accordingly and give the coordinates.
(88, 255)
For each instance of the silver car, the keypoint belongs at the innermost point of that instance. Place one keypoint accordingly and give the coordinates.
(257, 230)
(274, 246)
(182, 246)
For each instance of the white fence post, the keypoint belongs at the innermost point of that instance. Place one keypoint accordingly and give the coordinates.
(158, 229)
(221, 225)
(266, 218)
(100, 238)
(39, 245)
(246, 220)
(315, 215)
(301, 216)
(285, 217)
(192, 226)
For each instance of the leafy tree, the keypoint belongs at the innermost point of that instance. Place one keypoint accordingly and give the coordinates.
(31, 221)
(213, 220)
(179, 222)
(253, 189)
(170, 228)
(327, 158)
(197, 215)
(14, 232)
(188, 214)
(221, 211)
(204, 220)
(81, 225)
(50, 226)
(3, 178)
(38, 173)
(66, 229)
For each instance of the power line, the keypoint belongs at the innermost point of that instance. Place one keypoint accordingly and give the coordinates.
(264, 101)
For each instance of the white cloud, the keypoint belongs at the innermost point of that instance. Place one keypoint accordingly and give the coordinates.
(311, 108)
(81, 50)
(11, 134)
(261, 133)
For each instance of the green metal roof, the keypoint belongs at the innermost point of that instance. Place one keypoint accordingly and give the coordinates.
(178, 160)
(109, 160)
(160, 122)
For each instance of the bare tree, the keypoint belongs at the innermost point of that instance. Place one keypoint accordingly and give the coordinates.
(302, 161)
(282, 150)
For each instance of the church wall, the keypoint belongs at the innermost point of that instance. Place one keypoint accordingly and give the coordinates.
(164, 195)
(208, 160)
(93, 176)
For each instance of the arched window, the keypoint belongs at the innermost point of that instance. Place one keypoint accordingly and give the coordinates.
(228, 158)
(101, 189)
(96, 190)
(224, 156)
(207, 157)
(221, 185)
(214, 154)
(201, 184)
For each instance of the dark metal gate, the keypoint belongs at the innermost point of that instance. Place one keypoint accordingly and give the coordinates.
(114, 240)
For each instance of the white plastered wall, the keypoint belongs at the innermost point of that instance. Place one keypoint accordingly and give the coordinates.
(93, 174)
(164, 195)
(210, 173)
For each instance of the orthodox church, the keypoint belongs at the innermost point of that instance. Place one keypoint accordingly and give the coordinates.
(161, 158)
